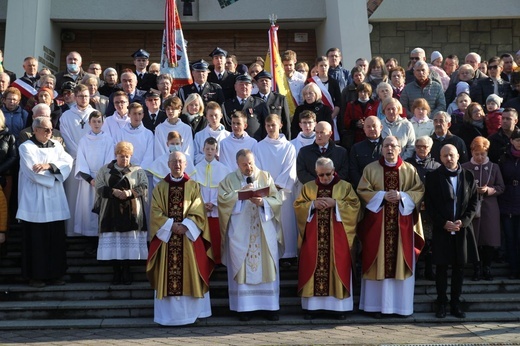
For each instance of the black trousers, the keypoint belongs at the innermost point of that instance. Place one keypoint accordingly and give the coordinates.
(441, 283)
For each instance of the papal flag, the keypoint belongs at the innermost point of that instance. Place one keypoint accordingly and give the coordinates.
(273, 64)
(174, 57)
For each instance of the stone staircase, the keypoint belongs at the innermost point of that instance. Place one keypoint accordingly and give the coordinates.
(90, 301)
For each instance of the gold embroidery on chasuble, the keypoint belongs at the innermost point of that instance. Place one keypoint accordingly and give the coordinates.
(175, 244)
(322, 273)
(255, 248)
(391, 225)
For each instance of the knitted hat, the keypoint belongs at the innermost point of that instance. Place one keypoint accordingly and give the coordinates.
(435, 55)
(48, 91)
(462, 87)
(494, 98)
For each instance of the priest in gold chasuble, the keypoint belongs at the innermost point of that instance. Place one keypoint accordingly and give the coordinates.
(390, 232)
(180, 259)
(327, 212)
(252, 239)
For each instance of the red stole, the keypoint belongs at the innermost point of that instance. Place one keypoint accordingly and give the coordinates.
(314, 259)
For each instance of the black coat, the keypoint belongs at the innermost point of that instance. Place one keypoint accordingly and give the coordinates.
(210, 92)
(361, 154)
(485, 87)
(256, 112)
(227, 83)
(138, 97)
(423, 167)
(323, 113)
(277, 104)
(160, 117)
(146, 82)
(439, 199)
(8, 152)
(197, 124)
(450, 139)
(307, 156)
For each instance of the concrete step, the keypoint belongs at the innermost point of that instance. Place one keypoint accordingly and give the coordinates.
(143, 306)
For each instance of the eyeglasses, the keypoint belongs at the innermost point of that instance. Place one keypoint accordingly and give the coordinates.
(492, 67)
(328, 174)
(45, 129)
(414, 58)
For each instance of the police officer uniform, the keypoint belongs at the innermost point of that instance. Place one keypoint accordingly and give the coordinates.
(208, 92)
(276, 104)
(145, 81)
(226, 79)
(254, 108)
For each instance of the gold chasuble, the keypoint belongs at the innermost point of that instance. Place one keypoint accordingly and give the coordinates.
(324, 244)
(390, 240)
(180, 267)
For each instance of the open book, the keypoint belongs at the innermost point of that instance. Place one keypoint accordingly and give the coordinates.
(247, 194)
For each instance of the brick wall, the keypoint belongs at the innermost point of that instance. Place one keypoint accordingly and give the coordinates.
(486, 37)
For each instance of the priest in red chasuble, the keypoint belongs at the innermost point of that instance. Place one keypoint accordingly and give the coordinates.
(390, 233)
(180, 259)
(327, 212)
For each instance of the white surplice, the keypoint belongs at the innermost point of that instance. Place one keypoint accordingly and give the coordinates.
(389, 296)
(229, 147)
(94, 151)
(201, 136)
(73, 126)
(113, 125)
(209, 175)
(161, 137)
(41, 195)
(278, 157)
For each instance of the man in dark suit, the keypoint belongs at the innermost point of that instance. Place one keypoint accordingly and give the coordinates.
(208, 91)
(442, 136)
(276, 103)
(145, 80)
(219, 75)
(254, 108)
(128, 83)
(451, 202)
(323, 146)
(366, 151)
(153, 115)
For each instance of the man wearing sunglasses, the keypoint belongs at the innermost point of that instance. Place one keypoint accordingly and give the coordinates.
(326, 211)
(390, 233)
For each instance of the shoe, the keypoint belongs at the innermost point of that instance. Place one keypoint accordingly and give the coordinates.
(57, 282)
(126, 276)
(486, 274)
(341, 317)
(116, 278)
(457, 312)
(244, 316)
(273, 316)
(285, 264)
(477, 272)
(307, 317)
(441, 311)
(90, 252)
(37, 283)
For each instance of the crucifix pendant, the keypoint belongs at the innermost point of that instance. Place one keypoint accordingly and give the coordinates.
(82, 123)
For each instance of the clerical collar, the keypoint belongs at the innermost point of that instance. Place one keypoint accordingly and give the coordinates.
(390, 164)
(49, 144)
(176, 179)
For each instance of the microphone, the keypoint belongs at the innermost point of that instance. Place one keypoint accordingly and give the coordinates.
(249, 180)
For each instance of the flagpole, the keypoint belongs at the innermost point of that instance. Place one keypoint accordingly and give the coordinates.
(273, 41)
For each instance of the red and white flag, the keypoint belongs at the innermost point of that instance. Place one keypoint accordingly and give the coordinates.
(174, 57)
(25, 89)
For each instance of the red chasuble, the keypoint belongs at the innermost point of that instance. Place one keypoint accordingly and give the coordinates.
(320, 243)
